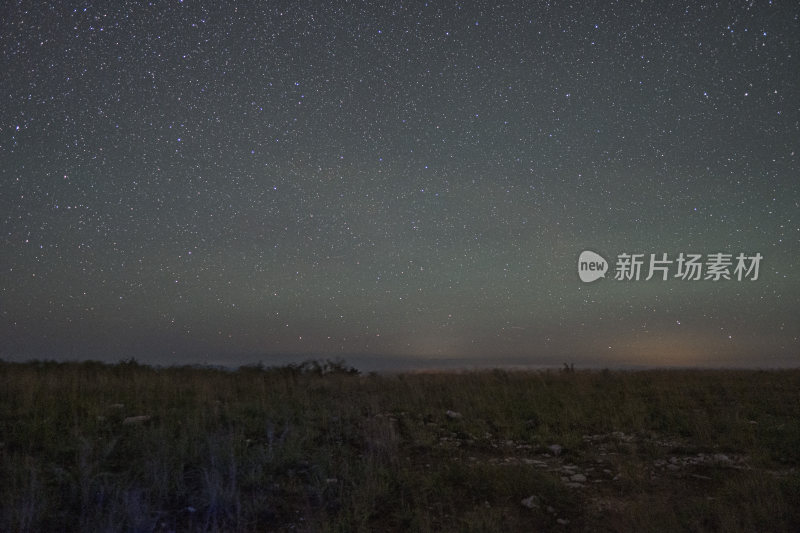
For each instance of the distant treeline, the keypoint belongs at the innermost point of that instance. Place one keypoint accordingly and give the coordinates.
(306, 368)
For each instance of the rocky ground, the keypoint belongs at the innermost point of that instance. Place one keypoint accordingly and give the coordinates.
(599, 470)
(320, 448)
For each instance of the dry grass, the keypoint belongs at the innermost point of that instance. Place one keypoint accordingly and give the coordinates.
(318, 448)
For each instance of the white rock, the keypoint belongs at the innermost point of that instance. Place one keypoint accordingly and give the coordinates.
(136, 420)
(580, 478)
(453, 415)
(555, 449)
(534, 462)
(531, 502)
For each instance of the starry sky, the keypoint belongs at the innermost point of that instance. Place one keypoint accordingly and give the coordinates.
(398, 184)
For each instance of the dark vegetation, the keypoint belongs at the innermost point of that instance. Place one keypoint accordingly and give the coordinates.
(318, 447)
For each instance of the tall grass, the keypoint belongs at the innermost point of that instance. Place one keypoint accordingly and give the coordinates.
(317, 447)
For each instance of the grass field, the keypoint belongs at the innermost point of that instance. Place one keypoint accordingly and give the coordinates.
(316, 447)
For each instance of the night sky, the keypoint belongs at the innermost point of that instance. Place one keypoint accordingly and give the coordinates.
(407, 184)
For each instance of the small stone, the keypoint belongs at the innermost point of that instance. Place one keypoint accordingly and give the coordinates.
(580, 478)
(531, 502)
(454, 415)
(555, 449)
(534, 462)
(562, 521)
(131, 420)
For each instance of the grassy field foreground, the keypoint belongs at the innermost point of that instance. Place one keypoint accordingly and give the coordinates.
(93, 447)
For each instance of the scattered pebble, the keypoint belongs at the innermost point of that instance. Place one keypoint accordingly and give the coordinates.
(131, 420)
(534, 462)
(531, 502)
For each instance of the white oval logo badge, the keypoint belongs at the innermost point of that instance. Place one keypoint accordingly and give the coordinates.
(591, 266)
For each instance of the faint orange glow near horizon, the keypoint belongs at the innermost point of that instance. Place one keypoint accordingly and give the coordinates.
(676, 349)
